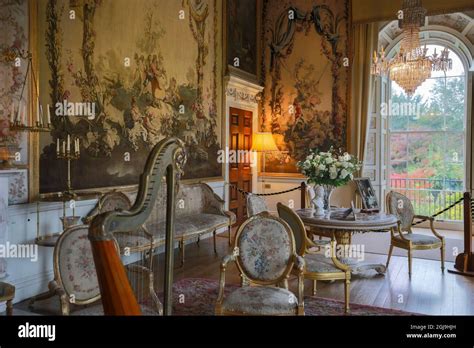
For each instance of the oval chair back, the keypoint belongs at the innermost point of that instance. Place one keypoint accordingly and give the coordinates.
(255, 205)
(296, 225)
(400, 206)
(74, 268)
(266, 249)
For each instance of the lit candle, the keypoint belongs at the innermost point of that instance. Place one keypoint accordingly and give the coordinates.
(18, 116)
(57, 146)
(49, 116)
(41, 114)
(24, 115)
(37, 111)
(68, 143)
(78, 146)
(64, 147)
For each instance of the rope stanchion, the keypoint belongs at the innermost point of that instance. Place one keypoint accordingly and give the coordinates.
(264, 194)
(459, 201)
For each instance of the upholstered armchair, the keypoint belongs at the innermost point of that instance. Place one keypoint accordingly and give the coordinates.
(317, 266)
(255, 205)
(403, 236)
(265, 256)
(75, 279)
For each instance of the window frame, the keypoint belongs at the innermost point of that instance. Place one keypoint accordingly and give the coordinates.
(387, 157)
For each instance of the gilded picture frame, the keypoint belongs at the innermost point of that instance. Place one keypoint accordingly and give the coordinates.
(367, 193)
(239, 28)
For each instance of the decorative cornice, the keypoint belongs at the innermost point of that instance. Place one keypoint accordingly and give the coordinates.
(242, 95)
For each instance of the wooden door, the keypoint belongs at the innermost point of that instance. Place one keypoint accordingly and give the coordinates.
(240, 171)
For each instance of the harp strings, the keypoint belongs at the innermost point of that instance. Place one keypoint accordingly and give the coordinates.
(138, 255)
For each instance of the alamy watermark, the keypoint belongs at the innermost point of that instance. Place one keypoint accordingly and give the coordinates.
(37, 331)
(353, 251)
(401, 109)
(20, 251)
(237, 156)
(84, 109)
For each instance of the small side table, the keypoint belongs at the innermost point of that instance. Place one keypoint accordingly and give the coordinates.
(7, 293)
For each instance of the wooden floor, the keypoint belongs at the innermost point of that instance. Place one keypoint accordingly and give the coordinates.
(428, 292)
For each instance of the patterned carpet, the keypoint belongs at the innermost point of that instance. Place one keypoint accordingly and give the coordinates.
(197, 297)
(194, 296)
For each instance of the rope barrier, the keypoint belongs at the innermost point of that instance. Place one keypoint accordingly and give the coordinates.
(440, 212)
(459, 201)
(264, 194)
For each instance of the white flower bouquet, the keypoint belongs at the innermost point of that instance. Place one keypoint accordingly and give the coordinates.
(329, 168)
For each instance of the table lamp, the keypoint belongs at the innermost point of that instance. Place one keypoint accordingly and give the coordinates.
(263, 142)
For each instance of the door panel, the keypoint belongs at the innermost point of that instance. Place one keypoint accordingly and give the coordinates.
(240, 172)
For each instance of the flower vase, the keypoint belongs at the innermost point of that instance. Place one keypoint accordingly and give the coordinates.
(328, 190)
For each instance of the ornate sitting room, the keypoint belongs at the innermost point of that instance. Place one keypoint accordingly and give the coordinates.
(236, 158)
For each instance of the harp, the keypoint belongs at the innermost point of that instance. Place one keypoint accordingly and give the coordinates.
(166, 159)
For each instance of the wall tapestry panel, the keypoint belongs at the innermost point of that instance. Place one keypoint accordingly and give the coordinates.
(148, 72)
(306, 72)
(13, 76)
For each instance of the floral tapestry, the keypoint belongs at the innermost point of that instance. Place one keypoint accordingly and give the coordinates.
(13, 68)
(149, 72)
(306, 74)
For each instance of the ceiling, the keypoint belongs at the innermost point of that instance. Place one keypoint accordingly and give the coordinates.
(367, 11)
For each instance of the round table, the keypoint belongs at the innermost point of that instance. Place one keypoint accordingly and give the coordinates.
(334, 224)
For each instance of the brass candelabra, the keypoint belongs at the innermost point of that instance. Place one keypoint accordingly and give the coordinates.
(37, 128)
(68, 150)
(19, 121)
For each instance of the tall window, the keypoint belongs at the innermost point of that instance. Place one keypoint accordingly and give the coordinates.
(427, 134)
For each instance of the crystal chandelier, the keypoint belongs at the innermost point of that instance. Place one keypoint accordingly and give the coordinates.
(411, 66)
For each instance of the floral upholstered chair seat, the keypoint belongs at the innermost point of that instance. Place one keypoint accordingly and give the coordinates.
(191, 224)
(420, 239)
(265, 255)
(136, 242)
(319, 263)
(198, 211)
(261, 300)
